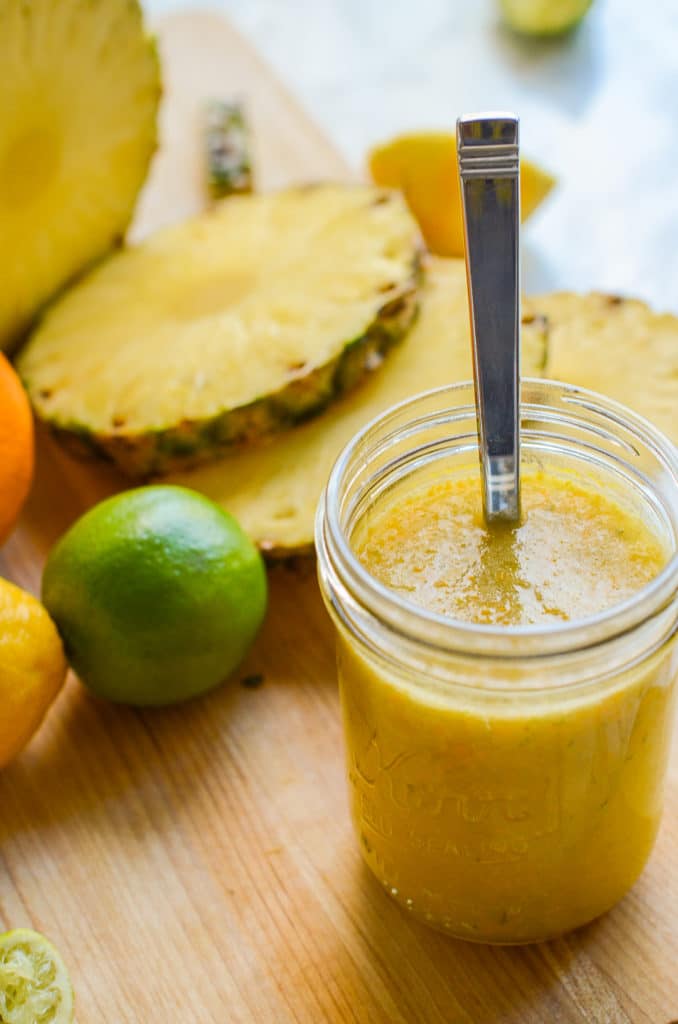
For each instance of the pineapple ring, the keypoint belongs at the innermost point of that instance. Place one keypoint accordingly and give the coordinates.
(79, 93)
(273, 491)
(619, 346)
(228, 327)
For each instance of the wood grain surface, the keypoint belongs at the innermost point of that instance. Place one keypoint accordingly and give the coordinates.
(196, 865)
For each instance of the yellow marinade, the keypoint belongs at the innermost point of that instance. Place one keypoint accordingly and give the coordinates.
(501, 820)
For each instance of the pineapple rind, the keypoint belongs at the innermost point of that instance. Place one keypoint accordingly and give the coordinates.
(229, 166)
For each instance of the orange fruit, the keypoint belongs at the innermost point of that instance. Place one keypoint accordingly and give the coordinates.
(16, 447)
(423, 165)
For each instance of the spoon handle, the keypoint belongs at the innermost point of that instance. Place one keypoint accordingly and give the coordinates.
(487, 148)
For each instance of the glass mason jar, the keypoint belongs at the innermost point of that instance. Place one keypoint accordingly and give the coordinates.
(505, 782)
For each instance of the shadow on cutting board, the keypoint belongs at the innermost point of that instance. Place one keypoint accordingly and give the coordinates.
(433, 979)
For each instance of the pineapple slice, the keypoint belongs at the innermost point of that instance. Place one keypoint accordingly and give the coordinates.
(226, 328)
(617, 346)
(79, 92)
(273, 490)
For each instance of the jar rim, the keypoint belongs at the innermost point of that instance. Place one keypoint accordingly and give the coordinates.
(490, 640)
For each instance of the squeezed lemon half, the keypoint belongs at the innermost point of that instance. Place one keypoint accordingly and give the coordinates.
(34, 984)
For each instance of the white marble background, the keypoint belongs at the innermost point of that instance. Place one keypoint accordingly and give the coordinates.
(599, 109)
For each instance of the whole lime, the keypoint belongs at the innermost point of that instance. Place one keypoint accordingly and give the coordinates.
(544, 17)
(157, 594)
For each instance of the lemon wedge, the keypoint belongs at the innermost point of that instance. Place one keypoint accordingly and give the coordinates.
(423, 165)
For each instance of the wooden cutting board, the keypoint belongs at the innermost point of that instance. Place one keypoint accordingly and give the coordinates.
(196, 865)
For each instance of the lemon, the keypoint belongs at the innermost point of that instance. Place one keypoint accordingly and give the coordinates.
(544, 17)
(34, 982)
(424, 166)
(32, 668)
(157, 593)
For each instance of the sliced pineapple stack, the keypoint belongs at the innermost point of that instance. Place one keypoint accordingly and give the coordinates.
(273, 489)
(227, 327)
(79, 91)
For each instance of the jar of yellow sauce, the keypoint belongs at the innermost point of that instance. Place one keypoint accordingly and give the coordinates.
(506, 760)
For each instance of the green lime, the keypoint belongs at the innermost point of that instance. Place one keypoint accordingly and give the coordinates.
(157, 594)
(544, 17)
(34, 982)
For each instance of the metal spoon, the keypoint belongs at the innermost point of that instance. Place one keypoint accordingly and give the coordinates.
(487, 149)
